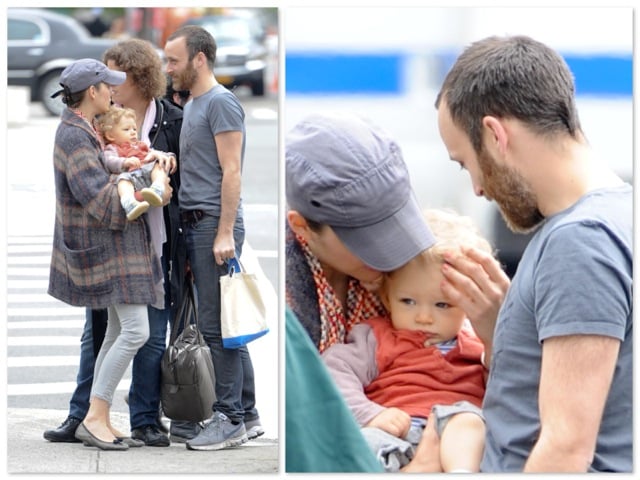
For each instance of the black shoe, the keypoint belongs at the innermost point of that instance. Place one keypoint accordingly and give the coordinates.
(65, 432)
(89, 440)
(183, 431)
(151, 436)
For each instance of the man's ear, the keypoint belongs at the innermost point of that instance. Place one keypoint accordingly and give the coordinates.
(496, 137)
(298, 223)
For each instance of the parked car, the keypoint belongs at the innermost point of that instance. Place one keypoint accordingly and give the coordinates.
(41, 43)
(241, 52)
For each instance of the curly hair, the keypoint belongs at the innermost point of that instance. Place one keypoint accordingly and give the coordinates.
(142, 64)
(112, 117)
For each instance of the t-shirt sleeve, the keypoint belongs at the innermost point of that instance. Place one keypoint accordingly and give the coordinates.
(225, 114)
(583, 283)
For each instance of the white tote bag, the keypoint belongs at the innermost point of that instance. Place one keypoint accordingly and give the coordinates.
(243, 313)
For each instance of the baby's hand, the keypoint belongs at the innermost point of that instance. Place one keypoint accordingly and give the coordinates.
(131, 163)
(393, 421)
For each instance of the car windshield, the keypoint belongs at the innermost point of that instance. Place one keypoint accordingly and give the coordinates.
(24, 30)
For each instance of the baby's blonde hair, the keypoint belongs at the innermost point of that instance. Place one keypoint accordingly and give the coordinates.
(112, 117)
(453, 232)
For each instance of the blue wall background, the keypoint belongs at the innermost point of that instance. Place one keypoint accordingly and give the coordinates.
(327, 72)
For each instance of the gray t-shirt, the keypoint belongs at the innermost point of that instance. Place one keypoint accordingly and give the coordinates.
(575, 277)
(205, 116)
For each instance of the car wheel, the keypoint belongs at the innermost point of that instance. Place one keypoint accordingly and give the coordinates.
(257, 88)
(48, 86)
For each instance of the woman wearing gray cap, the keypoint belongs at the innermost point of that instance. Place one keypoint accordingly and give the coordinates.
(352, 214)
(99, 259)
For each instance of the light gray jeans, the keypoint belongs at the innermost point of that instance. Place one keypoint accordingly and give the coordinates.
(127, 331)
(393, 453)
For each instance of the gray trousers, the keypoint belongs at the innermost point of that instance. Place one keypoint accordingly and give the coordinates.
(393, 453)
(127, 331)
(140, 178)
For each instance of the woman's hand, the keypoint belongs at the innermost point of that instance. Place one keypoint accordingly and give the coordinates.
(475, 282)
(166, 161)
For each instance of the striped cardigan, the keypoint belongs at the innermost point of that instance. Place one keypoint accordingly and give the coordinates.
(99, 258)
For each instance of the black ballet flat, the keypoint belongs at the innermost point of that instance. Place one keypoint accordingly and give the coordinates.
(88, 439)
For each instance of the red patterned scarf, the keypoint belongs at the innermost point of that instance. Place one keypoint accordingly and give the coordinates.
(335, 323)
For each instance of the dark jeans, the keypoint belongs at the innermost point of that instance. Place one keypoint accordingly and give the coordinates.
(235, 384)
(144, 393)
(79, 403)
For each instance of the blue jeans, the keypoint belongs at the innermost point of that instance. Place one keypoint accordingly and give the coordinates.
(144, 394)
(235, 385)
(79, 403)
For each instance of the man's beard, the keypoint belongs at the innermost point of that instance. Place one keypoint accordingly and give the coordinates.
(186, 79)
(512, 193)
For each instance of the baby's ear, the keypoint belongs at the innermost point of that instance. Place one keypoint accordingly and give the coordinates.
(383, 292)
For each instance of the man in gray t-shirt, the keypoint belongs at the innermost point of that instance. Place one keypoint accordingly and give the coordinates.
(212, 144)
(559, 393)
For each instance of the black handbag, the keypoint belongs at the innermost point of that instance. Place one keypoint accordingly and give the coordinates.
(188, 380)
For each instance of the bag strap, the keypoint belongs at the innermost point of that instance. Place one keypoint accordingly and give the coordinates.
(234, 266)
(161, 108)
(184, 318)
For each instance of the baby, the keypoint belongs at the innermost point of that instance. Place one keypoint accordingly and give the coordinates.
(394, 371)
(143, 179)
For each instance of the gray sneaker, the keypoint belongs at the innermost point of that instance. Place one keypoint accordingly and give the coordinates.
(254, 428)
(219, 433)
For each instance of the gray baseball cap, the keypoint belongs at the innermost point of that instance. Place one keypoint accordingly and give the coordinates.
(345, 172)
(83, 73)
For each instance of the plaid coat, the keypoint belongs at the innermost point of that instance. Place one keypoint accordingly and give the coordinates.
(99, 258)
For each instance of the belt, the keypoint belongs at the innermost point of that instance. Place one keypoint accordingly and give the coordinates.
(191, 217)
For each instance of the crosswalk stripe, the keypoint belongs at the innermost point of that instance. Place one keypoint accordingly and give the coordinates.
(43, 361)
(31, 240)
(16, 312)
(18, 285)
(27, 272)
(53, 387)
(31, 298)
(40, 260)
(30, 249)
(52, 340)
(49, 324)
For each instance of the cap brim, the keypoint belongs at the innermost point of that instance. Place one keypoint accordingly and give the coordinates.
(391, 243)
(115, 78)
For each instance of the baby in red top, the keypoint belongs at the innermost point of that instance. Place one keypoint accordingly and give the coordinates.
(423, 359)
(142, 180)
